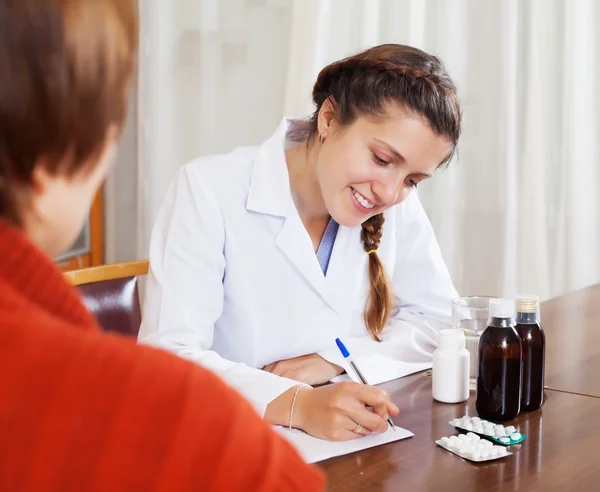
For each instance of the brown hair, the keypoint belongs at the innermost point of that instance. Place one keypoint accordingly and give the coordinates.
(65, 67)
(364, 84)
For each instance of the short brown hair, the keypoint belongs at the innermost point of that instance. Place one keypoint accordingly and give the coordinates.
(362, 85)
(65, 67)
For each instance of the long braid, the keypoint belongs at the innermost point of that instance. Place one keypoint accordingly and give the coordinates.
(377, 309)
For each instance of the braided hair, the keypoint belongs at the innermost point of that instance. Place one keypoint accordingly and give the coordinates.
(364, 84)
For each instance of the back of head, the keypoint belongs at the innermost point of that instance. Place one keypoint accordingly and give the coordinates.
(366, 84)
(65, 67)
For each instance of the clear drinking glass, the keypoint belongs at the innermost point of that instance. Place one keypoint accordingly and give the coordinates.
(471, 314)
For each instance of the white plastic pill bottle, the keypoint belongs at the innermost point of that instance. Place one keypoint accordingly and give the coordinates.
(451, 367)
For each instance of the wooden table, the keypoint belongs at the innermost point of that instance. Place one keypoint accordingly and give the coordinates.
(559, 454)
(572, 326)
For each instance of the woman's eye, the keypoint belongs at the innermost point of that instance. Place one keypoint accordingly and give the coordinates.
(413, 183)
(379, 160)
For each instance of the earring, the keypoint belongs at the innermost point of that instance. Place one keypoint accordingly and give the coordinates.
(321, 138)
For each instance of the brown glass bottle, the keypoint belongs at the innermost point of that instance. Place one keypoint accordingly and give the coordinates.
(533, 342)
(499, 365)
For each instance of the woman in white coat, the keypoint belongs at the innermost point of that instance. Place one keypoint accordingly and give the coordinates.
(261, 258)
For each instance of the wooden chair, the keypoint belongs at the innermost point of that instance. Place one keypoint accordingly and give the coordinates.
(110, 292)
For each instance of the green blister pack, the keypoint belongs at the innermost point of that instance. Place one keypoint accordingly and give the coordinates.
(506, 436)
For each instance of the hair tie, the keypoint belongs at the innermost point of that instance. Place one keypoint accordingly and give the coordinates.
(372, 251)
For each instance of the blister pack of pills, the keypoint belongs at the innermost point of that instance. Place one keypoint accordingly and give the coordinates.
(506, 436)
(471, 447)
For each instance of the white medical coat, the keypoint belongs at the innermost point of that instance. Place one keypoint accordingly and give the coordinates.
(234, 282)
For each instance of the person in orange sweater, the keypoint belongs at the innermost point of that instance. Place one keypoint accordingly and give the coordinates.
(81, 410)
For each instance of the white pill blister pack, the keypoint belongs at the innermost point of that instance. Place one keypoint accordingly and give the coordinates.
(471, 447)
(506, 436)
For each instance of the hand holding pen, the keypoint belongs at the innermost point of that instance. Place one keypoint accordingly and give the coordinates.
(355, 369)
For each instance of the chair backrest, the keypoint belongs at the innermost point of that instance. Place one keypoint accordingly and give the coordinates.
(110, 292)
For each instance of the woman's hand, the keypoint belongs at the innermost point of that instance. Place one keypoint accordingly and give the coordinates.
(335, 411)
(309, 369)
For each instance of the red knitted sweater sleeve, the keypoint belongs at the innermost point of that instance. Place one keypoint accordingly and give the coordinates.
(89, 411)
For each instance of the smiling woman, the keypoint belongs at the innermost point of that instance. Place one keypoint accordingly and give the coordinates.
(397, 104)
(261, 258)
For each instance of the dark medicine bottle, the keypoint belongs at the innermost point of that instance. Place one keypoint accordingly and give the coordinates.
(533, 342)
(499, 366)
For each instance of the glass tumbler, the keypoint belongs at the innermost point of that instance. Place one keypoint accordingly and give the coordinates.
(471, 314)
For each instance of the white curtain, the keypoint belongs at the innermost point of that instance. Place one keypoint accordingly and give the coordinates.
(518, 211)
(212, 76)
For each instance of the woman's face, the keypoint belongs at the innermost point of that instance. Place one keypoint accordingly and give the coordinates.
(59, 204)
(374, 163)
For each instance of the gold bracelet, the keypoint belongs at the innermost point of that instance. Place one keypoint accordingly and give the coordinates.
(293, 403)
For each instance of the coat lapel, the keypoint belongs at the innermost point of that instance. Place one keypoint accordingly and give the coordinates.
(348, 260)
(294, 243)
(270, 194)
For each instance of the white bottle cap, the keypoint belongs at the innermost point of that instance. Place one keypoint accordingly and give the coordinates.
(452, 339)
(502, 308)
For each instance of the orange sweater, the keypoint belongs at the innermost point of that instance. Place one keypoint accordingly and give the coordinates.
(83, 410)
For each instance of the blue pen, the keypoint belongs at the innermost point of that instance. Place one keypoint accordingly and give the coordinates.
(354, 367)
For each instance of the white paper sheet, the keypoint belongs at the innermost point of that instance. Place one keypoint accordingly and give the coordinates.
(377, 370)
(313, 449)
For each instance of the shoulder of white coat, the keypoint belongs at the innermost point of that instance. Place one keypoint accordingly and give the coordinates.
(408, 215)
(409, 209)
(225, 175)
